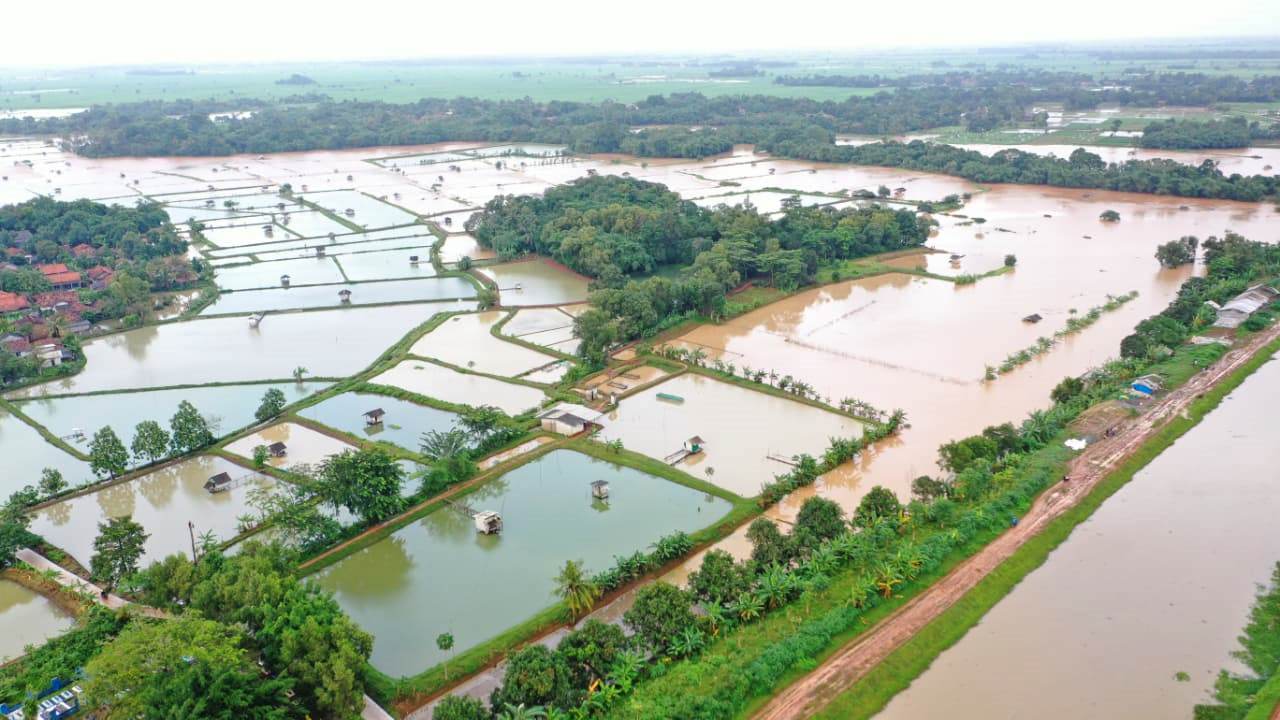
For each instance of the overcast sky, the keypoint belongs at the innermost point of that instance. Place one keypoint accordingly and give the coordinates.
(98, 32)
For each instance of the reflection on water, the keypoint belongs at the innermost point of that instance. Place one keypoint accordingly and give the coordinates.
(467, 341)
(431, 380)
(163, 502)
(28, 618)
(225, 408)
(437, 575)
(920, 344)
(1141, 591)
(329, 343)
(404, 423)
(748, 436)
(24, 455)
(536, 282)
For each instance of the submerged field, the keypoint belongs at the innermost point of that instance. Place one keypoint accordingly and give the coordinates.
(917, 332)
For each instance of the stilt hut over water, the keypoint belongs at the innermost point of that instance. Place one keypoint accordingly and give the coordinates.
(277, 449)
(374, 417)
(600, 490)
(218, 483)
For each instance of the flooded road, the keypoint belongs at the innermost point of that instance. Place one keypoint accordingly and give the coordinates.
(1158, 581)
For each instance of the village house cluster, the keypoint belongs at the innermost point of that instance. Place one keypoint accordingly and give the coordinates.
(40, 321)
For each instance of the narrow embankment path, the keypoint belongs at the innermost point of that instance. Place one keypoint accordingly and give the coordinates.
(848, 665)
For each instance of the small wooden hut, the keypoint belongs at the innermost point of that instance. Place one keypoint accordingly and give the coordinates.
(600, 490)
(374, 416)
(277, 449)
(218, 483)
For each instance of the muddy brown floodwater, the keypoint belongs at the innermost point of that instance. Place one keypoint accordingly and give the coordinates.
(1140, 592)
(922, 344)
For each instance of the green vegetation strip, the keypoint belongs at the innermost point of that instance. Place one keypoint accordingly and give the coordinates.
(870, 694)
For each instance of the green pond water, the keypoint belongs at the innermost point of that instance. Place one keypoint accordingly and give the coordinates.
(437, 575)
(403, 425)
(28, 618)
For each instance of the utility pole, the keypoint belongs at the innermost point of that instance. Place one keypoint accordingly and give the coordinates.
(191, 530)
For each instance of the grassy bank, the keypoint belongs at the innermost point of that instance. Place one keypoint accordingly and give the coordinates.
(877, 688)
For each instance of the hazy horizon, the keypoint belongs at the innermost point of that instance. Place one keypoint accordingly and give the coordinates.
(239, 32)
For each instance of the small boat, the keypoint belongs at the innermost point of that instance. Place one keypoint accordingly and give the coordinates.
(670, 398)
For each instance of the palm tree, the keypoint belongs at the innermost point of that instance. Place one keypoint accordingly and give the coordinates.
(576, 589)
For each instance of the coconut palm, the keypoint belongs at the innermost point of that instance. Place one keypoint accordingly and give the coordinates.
(577, 590)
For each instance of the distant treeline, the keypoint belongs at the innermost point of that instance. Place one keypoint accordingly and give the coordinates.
(680, 125)
(1077, 91)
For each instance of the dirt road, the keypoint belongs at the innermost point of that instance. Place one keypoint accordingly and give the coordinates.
(815, 690)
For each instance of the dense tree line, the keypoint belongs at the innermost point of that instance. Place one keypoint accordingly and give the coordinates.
(1082, 169)
(48, 228)
(620, 230)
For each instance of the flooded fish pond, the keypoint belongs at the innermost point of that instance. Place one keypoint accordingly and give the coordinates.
(536, 282)
(329, 343)
(451, 386)
(404, 423)
(438, 575)
(28, 618)
(747, 437)
(163, 502)
(468, 341)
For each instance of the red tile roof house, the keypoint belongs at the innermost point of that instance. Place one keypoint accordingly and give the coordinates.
(84, 250)
(12, 303)
(100, 277)
(58, 301)
(60, 276)
(19, 346)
